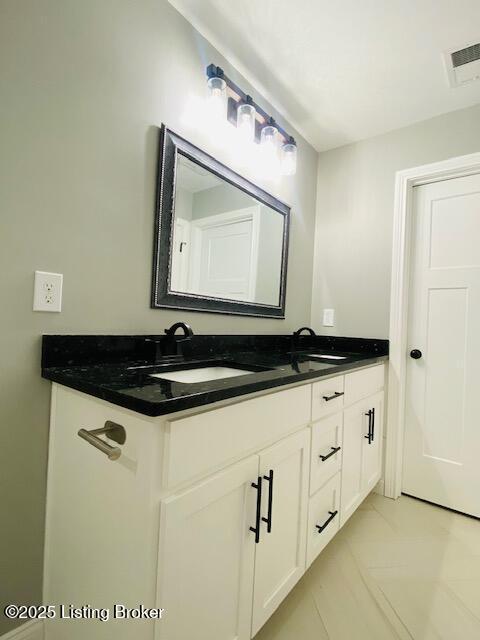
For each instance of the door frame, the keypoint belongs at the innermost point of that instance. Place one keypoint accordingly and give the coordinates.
(405, 181)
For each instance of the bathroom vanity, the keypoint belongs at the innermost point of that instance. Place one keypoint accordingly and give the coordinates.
(219, 493)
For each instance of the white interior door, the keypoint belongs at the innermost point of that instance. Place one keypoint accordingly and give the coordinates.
(442, 437)
(280, 555)
(226, 255)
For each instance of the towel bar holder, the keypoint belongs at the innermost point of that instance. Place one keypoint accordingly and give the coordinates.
(113, 431)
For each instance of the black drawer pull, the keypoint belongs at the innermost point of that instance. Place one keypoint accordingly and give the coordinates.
(337, 394)
(373, 425)
(323, 526)
(329, 455)
(369, 435)
(256, 528)
(268, 519)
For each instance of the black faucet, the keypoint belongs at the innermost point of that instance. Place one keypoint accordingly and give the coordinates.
(187, 330)
(171, 341)
(296, 335)
(168, 345)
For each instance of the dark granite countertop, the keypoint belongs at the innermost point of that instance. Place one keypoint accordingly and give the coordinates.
(119, 369)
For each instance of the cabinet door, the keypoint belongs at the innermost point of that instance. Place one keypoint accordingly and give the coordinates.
(280, 555)
(372, 447)
(362, 453)
(355, 428)
(206, 559)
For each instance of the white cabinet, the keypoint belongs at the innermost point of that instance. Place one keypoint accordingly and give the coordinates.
(372, 448)
(327, 437)
(362, 452)
(101, 540)
(280, 555)
(323, 517)
(169, 524)
(210, 566)
(206, 559)
(327, 396)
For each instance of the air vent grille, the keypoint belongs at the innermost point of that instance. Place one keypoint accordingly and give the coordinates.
(464, 56)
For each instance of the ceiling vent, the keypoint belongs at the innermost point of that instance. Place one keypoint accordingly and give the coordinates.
(463, 65)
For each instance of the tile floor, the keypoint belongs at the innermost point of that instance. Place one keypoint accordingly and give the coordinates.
(398, 569)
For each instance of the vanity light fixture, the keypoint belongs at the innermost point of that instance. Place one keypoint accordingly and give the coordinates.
(252, 122)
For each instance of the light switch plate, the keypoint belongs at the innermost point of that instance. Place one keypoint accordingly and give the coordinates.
(328, 317)
(47, 291)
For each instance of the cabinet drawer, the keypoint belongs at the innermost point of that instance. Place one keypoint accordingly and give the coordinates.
(363, 383)
(323, 517)
(327, 397)
(200, 444)
(326, 457)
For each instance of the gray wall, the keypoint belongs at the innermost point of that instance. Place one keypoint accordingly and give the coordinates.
(225, 197)
(84, 86)
(355, 217)
(183, 203)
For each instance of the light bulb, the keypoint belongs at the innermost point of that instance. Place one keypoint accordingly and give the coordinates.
(217, 93)
(269, 150)
(246, 121)
(289, 158)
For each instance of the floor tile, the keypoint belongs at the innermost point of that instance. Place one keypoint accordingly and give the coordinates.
(429, 608)
(398, 570)
(296, 619)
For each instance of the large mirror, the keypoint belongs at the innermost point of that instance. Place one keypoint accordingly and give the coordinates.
(220, 242)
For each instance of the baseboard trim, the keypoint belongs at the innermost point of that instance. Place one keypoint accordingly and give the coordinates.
(32, 630)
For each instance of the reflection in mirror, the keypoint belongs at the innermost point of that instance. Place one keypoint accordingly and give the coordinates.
(226, 244)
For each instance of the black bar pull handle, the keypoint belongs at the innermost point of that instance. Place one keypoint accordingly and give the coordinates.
(373, 425)
(256, 528)
(268, 519)
(323, 526)
(337, 394)
(369, 434)
(329, 455)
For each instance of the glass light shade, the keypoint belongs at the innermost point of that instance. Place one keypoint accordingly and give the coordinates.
(246, 121)
(269, 138)
(289, 159)
(217, 94)
(270, 160)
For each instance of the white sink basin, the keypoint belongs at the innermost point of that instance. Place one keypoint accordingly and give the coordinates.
(325, 355)
(202, 374)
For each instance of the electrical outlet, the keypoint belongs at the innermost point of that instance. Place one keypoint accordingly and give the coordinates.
(47, 291)
(328, 317)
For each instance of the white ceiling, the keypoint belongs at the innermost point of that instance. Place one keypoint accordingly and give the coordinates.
(193, 178)
(344, 71)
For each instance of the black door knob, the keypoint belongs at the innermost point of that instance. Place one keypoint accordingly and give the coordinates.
(415, 354)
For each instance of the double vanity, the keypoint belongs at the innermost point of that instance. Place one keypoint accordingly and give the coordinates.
(202, 474)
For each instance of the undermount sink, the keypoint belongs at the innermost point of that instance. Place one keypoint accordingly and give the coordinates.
(202, 374)
(326, 356)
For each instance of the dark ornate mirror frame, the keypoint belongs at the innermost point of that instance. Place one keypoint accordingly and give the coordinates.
(162, 297)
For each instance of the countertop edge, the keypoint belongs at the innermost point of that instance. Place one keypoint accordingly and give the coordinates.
(201, 400)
